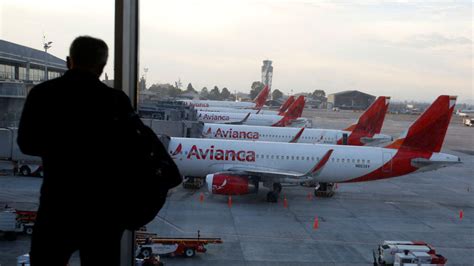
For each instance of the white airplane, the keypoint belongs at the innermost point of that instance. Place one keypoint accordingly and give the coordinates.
(365, 132)
(291, 117)
(280, 111)
(465, 112)
(257, 103)
(237, 167)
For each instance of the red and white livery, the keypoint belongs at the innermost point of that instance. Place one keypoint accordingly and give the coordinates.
(281, 110)
(365, 132)
(237, 167)
(257, 103)
(291, 117)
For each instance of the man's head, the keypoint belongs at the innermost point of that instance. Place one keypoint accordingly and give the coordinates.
(87, 53)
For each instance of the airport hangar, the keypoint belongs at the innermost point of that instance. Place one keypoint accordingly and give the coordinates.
(350, 100)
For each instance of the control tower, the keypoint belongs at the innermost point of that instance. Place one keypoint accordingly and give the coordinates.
(267, 73)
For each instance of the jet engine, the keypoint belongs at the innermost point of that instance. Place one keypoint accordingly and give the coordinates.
(231, 184)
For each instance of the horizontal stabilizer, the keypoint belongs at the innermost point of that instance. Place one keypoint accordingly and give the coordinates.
(427, 133)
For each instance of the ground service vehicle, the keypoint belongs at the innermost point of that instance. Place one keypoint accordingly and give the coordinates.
(173, 246)
(21, 163)
(406, 253)
(13, 222)
(468, 122)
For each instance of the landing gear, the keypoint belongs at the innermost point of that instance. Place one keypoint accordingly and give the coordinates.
(272, 196)
(324, 190)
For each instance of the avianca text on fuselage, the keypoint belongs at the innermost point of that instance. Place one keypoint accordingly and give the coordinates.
(235, 134)
(214, 117)
(212, 153)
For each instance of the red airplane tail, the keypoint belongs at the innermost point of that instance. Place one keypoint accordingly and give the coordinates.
(285, 105)
(427, 133)
(371, 121)
(261, 97)
(295, 110)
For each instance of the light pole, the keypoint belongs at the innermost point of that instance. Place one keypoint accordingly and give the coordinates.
(46, 46)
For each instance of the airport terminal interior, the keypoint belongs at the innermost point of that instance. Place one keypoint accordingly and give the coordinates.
(306, 132)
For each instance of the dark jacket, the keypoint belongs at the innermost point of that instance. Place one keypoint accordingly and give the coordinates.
(72, 123)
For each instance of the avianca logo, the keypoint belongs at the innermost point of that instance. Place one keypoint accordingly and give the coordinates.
(214, 117)
(217, 188)
(220, 155)
(231, 134)
(177, 151)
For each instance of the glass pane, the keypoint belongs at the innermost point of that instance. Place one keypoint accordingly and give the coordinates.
(206, 61)
(26, 28)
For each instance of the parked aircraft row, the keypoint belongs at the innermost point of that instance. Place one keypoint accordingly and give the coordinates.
(238, 167)
(257, 103)
(365, 132)
(291, 117)
(281, 110)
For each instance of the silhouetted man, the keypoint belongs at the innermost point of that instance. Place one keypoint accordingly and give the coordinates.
(72, 122)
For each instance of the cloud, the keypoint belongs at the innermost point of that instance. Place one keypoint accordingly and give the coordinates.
(434, 40)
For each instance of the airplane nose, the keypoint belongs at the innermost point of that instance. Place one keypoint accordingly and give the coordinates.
(209, 180)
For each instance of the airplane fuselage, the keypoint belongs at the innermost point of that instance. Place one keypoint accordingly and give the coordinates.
(211, 103)
(227, 117)
(199, 157)
(279, 134)
(236, 110)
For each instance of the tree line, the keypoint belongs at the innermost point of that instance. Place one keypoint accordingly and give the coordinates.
(164, 91)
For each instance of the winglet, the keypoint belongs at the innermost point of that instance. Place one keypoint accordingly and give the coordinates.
(286, 104)
(241, 121)
(208, 132)
(427, 133)
(261, 98)
(316, 170)
(297, 136)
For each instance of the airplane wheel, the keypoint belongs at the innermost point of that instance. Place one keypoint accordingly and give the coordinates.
(146, 252)
(25, 170)
(189, 253)
(272, 197)
(29, 230)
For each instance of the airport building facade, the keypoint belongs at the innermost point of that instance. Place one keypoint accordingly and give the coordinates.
(350, 100)
(21, 68)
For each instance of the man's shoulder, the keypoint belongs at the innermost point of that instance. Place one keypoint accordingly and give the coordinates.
(45, 86)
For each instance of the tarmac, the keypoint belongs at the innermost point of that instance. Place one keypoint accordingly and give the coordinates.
(420, 206)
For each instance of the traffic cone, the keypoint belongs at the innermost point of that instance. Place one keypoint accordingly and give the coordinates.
(229, 201)
(461, 214)
(285, 203)
(316, 223)
(201, 197)
(310, 196)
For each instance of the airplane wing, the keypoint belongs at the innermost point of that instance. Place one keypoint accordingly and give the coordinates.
(422, 163)
(239, 122)
(270, 172)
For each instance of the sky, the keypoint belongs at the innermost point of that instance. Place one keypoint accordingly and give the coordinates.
(410, 50)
